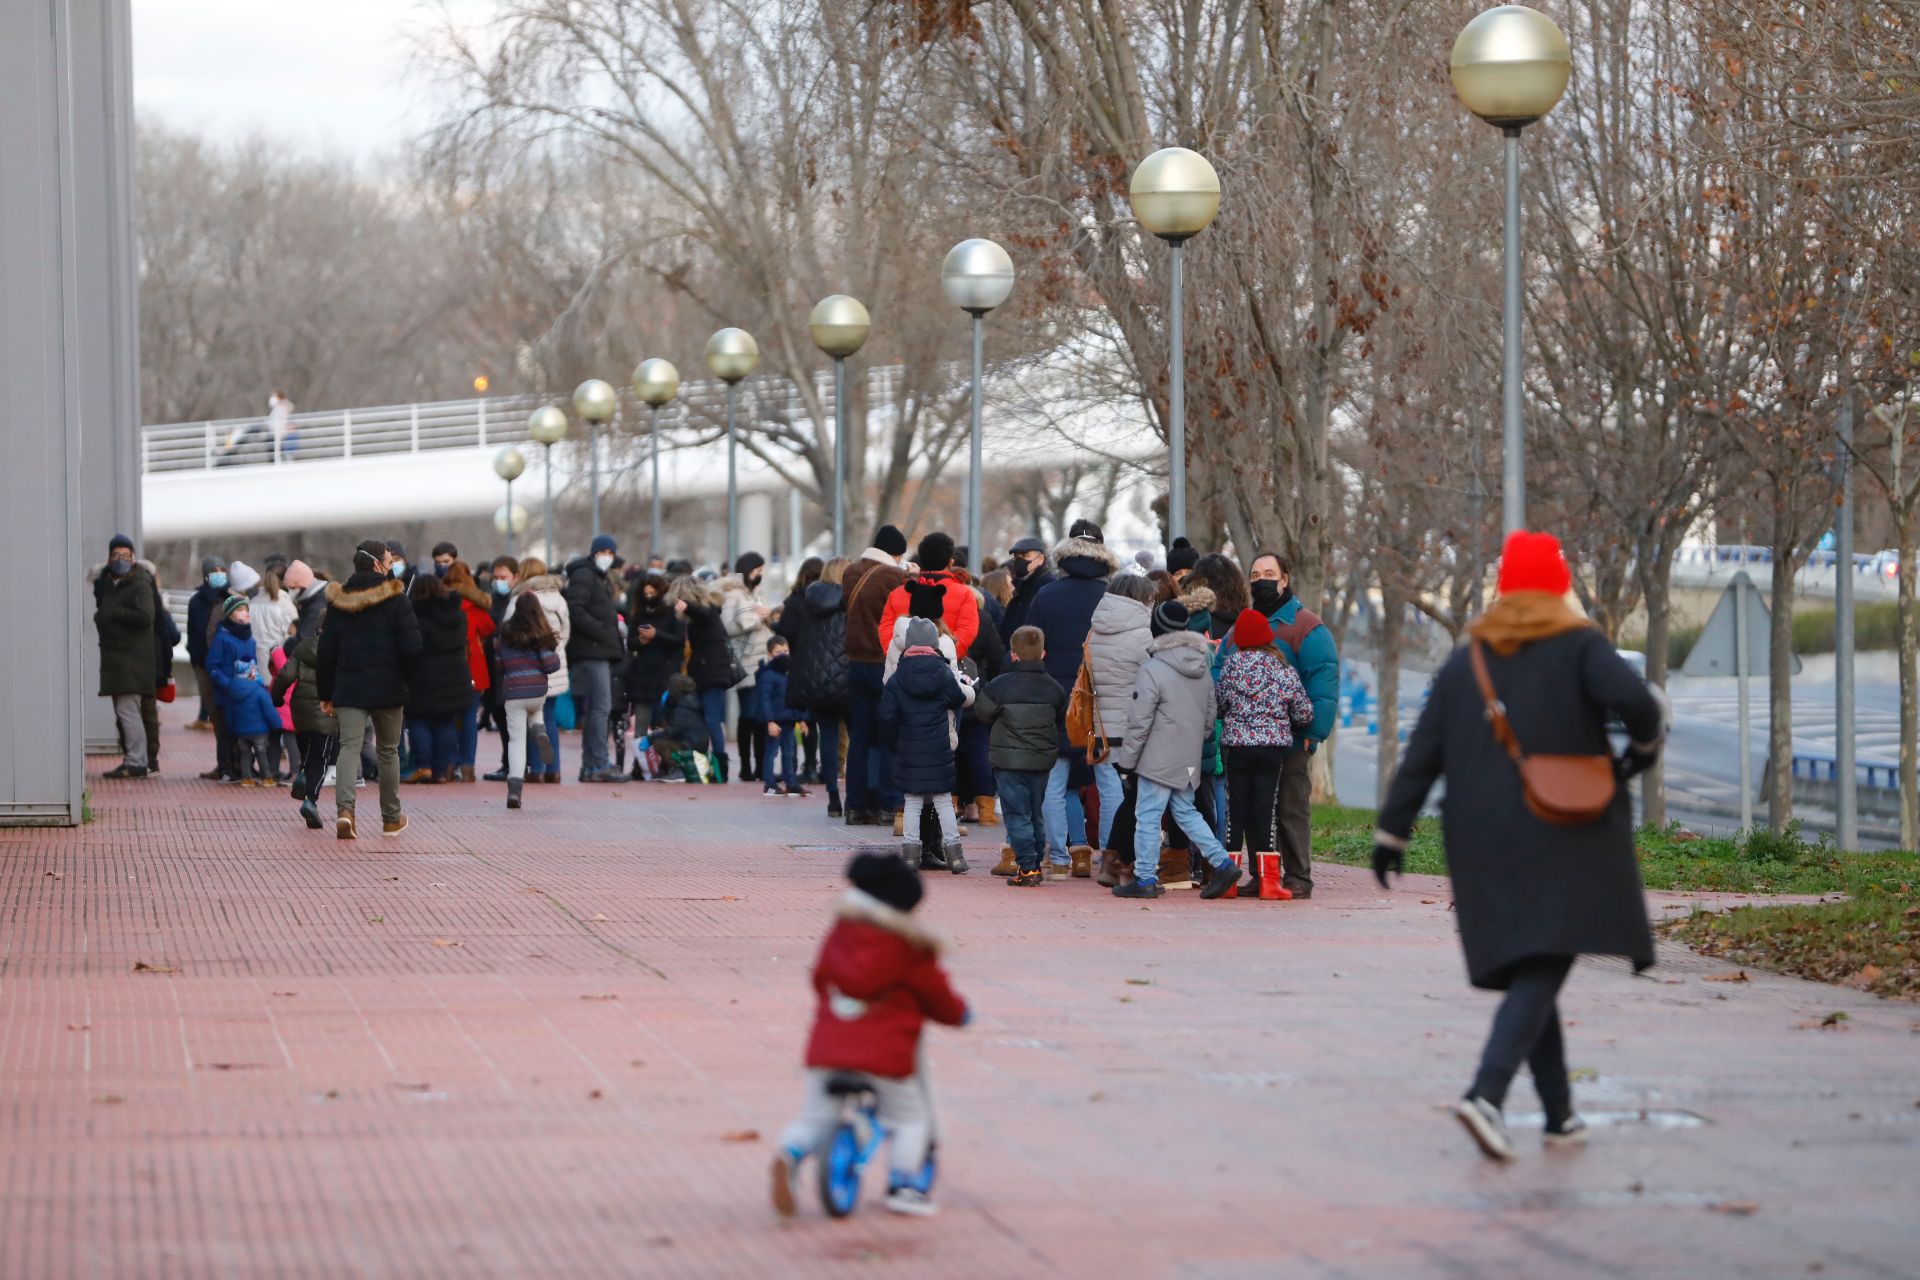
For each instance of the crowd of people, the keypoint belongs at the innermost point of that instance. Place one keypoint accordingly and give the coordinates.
(1085, 701)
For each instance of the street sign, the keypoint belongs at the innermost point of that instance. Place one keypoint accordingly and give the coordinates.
(1715, 653)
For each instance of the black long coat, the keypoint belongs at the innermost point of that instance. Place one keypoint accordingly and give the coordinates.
(441, 681)
(914, 724)
(653, 662)
(124, 620)
(709, 655)
(816, 626)
(595, 622)
(367, 643)
(1522, 887)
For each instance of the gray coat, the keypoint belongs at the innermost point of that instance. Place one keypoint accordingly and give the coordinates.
(1522, 887)
(1172, 711)
(1116, 646)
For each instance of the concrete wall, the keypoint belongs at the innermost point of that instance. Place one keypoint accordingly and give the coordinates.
(66, 324)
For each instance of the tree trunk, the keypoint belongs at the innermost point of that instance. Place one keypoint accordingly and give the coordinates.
(1659, 596)
(1387, 667)
(1909, 681)
(1779, 782)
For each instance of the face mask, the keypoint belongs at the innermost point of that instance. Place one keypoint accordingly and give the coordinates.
(119, 568)
(1266, 595)
(603, 563)
(753, 581)
(1018, 568)
(216, 580)
(440, 570)
(501, 586)
(399, 569)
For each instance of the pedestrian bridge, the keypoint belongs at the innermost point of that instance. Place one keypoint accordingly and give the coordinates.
(345, 468)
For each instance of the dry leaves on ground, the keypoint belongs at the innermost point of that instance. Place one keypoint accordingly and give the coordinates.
(1738, 975)
(741, 1135)
(141, 966)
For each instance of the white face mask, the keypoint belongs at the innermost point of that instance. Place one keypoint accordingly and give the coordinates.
(603, 563)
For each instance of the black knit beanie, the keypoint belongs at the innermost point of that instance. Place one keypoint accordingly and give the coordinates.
(1181, 555)
(890, 540)
(885, 877)
(1169, 616)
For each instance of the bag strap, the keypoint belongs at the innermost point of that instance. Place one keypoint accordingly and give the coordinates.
(1496, 709)
(1098, 732)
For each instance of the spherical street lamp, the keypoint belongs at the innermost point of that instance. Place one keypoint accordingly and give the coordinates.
(977, 276)
(547, 426)
(732, 354)
(508, 464)
(510, 519)
(839, 325)
(656, 382)
(1176, 194)
(597, 402)
(1510, 66)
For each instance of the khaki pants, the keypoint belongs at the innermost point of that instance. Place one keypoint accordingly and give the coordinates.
(385, 723)
(1296, 821)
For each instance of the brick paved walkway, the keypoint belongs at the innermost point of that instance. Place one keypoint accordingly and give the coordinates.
(547, 1044)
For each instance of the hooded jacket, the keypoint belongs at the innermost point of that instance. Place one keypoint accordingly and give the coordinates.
(1172, 712)
(817, 630)
(916, 718)
(480, 629)
(125, 620)
(1063, 609)
(869, 583)
(549, 592)
(248, 706)
(747, 634)
(369, 641)
(1116, 646)
(594, 634)
(271, 620)
(1027, 710)
(1261, 701)
(960, 611)
(709, 656)
(876, 981)
(301, 674)
(773, 683)
(441, 683)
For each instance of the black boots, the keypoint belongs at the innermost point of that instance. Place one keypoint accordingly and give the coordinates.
(513, 792)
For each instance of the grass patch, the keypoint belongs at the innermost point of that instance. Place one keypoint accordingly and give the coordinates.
(1871, 941)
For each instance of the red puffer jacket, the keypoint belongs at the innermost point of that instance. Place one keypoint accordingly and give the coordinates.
(878, 979)
(480, 627)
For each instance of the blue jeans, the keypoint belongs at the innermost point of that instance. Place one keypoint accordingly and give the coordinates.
(1106, 779)
(713, 709)
(785, 747)
(1217, 783)
(470, 729)
(1066, 817)
(1154, 800)
(829, 727)
(592, 683)
(869, 768)
(436, 743)
(1023, 794)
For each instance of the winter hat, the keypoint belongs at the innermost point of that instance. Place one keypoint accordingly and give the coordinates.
(603, 542)
(1181, 555)
(890, 540)
(748, 562)
(1251, 630)
(233, 604)
(921, 633)
(118, 541)
(935, 552)
(1532, 562)
(886, 877)
(242, 576)
(276, 561)
(1084, 528)
(1026, 544)
(679, 568)
(926, 599)
(395, 549)
(211, 564)
(1169, 616)
(298, 577)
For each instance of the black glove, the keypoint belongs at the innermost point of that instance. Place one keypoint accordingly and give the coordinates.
(1632, 762)
(1385, 859)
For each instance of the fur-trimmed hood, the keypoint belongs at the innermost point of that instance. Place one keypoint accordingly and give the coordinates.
(693, 591)
(857, 905)
(360, 599)
(1188, 652)
(540, 582)
(1090, 554)
(1198, 597)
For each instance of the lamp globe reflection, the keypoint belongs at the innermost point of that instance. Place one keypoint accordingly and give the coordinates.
(1510, 65)
(547, 426)
(1175, 193)
(656, 382)
(839, 325)
(595, 400)
(509, 464)
(510, 519)
(977, 276)
(732, 354)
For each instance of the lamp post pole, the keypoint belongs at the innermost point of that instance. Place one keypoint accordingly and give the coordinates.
(656, 382)
(1510, 66)
(547, 426)
(1175, 195)
(839, 325)
(977, 276)
(732, 354)
(595, 401)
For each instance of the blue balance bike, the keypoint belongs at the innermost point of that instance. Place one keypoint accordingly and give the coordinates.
(854, 1142)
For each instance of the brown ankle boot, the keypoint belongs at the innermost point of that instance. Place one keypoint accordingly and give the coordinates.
(1109, 873)
(1008, 865)
(1176, 867)
(1082, 856)
(988, 818)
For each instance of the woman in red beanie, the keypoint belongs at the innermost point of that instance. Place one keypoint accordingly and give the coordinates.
(1261, 703)
(1529, 894)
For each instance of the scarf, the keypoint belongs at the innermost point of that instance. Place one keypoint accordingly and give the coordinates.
(1521, 617)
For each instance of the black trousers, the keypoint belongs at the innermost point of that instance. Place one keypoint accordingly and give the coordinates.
(317, 751)
(1253, 790)
(1526, 1028)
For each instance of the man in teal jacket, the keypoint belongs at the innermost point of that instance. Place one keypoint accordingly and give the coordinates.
(1305, 642)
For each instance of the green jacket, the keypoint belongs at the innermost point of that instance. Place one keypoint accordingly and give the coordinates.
(124, 618)
(1027, 709)
(302, 672)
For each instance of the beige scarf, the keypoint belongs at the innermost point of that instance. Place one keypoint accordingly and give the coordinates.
(1521, 617)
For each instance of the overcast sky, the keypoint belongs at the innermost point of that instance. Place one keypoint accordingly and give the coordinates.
(325, 73)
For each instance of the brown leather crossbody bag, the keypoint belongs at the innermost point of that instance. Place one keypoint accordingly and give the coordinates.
(1567, 791)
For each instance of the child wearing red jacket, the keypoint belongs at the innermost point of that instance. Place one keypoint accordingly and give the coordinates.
(877, 980)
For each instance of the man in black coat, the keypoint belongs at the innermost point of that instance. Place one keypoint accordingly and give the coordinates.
(1027, 565)
(592, 650)
(1063, 610)
(367, 644)
(124, 618)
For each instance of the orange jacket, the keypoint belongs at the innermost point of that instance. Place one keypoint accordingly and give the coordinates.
(962, 610)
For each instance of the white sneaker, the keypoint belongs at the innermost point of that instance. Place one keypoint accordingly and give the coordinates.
(1571, 1133)
(1486, 1125)
(326, 783)
(911, 1202)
